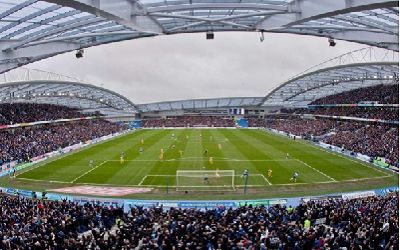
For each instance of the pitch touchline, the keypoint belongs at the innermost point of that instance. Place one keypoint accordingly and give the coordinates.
(206, 159)
(317, 170)
(42, 180)
(288, 184)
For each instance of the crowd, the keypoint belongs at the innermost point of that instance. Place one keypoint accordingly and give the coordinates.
(387, 114)
(23, 144)
(371, 140)
(385, 94)
(30, 112)
(369, 223)
(296, 126)
(189, 121)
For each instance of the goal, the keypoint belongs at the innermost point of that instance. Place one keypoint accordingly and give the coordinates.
(189, 180)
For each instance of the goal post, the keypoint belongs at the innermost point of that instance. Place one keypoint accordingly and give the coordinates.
(205, 180)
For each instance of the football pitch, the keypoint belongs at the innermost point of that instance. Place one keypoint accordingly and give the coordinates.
(254, 150)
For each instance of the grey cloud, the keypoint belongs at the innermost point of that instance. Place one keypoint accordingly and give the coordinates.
(188, 66)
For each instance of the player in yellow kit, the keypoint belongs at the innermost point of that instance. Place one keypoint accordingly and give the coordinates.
(217, 174)
(181, 153)
(162, 151)
(269, 173)
(211, 161)
(219, 146)
(121, 158)
(187, 137)
(142, 141)
(161, 157)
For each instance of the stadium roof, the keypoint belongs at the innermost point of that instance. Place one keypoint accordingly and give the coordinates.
(333, 80)
(27, 85)
(356, 69)
(31, 30)
(201, 104)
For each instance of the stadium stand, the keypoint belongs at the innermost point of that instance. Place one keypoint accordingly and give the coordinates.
(296, 126)
(23, 144)
(189, 121)
(384, 94)
(30, 112)
(372, 140)
(387, 114)
(242, 123)
(369, 223)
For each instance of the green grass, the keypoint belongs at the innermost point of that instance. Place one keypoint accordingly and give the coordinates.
(321, 171)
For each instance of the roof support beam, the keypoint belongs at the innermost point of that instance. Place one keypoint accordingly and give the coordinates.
(217, 6)
(315, 9)
(17, 8)
(121, 11)
(29, 17)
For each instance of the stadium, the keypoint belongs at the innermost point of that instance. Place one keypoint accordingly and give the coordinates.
(312, 163)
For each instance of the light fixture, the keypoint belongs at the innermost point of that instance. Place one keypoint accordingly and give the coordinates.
(209, 35)
(79, 53)
(332, 42)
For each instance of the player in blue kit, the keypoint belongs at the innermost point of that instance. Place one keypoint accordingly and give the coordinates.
(294, 177)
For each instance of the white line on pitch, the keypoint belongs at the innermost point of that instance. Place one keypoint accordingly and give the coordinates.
(207, 158)
(143, 180)
(42, 180)
(158, 175)
(88, 172)
(317, 170)
(266, 179)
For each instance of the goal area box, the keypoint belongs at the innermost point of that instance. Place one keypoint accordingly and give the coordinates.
(221, 180)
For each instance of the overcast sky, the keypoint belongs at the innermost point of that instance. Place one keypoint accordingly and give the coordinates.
(187, 66)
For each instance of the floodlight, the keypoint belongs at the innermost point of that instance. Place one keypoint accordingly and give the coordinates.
(332, 42)
(209, 35)
(79, 53)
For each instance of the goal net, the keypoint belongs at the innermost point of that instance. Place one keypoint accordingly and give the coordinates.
(221, 180)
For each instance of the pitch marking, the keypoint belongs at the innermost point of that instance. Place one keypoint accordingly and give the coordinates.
(317, 170)
(266, 179)
(88, 172)
(143, 180)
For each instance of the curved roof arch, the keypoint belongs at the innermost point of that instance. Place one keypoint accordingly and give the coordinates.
(333, 80)
(200, 104)
(45, 87)
(31, 30)
(356, 69)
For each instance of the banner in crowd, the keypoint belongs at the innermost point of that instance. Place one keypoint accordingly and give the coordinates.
(206, 204)
(349, 118)
(350, 196)
(260, 202)
(7, 166)
(355, 105)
